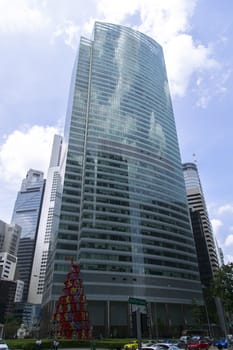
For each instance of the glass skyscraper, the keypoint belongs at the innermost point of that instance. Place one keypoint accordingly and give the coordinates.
(26, 214)
(124, 214)
(197, 205)
(205, 243)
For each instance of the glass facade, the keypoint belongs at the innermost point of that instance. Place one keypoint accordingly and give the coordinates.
(196, 203)
(124, 214)
(26, 214)
(204, 240)
(28, 203)
(191, 178)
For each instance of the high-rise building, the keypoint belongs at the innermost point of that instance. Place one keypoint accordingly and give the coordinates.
(7, 298)
(48, 225)
(220, 255)
(11, 290)
(9, 238)
(207, 251)
(9, 241)
(26, 214)
(124, 214)
(201, 223)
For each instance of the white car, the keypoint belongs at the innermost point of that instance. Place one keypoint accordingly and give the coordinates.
(160, 346)
(3, 345)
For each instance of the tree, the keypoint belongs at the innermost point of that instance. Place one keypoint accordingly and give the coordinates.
(198, 314)
(71, 318)
(11, 325)
(223, 287)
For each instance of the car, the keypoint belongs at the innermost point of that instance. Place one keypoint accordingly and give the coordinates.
(165, 341)
(222, 342)
(149, 343)
(181, 344)
(131, 346)
(197, 344)
(152, 347)
(166, 344)
(160, 346)
(185, 338)
(209, 340)
(3, 345)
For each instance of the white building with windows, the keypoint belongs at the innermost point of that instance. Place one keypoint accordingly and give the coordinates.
(9, 242)
(7, 266)
(9, 237)
(19, 291)
(48, 223)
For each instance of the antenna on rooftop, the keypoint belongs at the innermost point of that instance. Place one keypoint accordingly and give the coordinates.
(194, 158)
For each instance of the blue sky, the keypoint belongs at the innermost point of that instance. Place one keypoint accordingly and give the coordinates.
(38, 43)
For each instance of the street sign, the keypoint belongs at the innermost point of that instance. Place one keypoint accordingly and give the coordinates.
(137, 301)
(140, 307)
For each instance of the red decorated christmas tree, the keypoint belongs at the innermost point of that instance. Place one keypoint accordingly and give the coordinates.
(71, 318)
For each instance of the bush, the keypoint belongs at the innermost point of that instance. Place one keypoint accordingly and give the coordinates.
(29, 344)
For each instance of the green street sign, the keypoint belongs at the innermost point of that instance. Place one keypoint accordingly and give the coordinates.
(136, 301)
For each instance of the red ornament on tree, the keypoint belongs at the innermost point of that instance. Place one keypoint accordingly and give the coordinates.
(71, 318)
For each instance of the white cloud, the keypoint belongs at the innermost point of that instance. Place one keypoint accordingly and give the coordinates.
(117, 11)
(183, 59)
(219, 78)
(70, 32)
(229, 241)
(21, 16)
(228, 258)
(204, 99)
(216, 225)
(168, 22)
(227, 208)
(160, 19)
(165, 20)
(25, 149)
(223, 228)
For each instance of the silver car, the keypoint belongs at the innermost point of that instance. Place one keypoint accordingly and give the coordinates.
(3, 345)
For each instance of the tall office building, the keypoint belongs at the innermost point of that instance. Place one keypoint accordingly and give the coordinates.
(201, 224)
(26, 214)
(9, 238)
(48, 224)
(207, 251)
(11, 290)
(220, 254)
(7, 299)
(124, 214)
(9, 241)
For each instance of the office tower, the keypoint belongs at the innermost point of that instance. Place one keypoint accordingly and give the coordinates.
(9, 238)
(7, 298)
(205, 243)
(11, 290)
(19, 291)
(26, 214)
(9, 241)
(201, 223)
(48, 223)
(124, 214)
(220, 255)
(7, 266)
